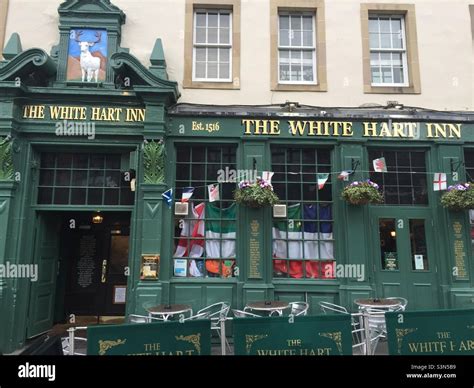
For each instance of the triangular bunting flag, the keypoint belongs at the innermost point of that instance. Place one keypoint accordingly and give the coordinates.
(168, 197)
(344, 175)
(380, 165)
(322, 179)
(267, 176)
(187, 194)
(213, 192)
(440, 182)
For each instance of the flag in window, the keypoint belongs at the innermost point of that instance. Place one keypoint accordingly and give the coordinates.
(380, 165)
(187, 194)
(440, 182)
(213, 192)
(168, 197)
(267, 176)
(322, 179)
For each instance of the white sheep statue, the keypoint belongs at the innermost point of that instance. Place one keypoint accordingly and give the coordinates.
(90, 65)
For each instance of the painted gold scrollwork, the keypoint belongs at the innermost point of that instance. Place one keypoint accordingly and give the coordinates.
(401, 333)
(194, 339)
(336, 336)
(250, 339)
(106, 345)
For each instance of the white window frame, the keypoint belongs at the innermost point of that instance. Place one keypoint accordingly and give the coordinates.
(403, 50)
(299, 48)
(213, 45)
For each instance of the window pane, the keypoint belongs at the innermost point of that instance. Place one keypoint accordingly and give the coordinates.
(224, 70)
(212, 35)
(384, 24)
(46, 178)
(375, 59)
(296, 38)
(374, 40)
(200, 19)
(224, 55)
(374, 25)
(200, 54)
(385, 40)
(398, 75)
(200, 35)
(212, 70)
(376, 75)
(308, 38)
(224, 35)
(284, 38)
(225, 20)
(419, 252)
(284, 22)
(387, 75)
(212, 55)
(284, 72)
(397, 59)
(308, 73)
(397, 41)
(212, 19)
(385, 59)
(284, 56)
(388, 244)
(396, 26)
(200, 70)
(308, 23)
(296, 22)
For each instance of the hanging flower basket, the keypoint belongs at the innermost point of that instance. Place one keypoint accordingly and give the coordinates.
(362, 193)
(459, 197)
(255, 194)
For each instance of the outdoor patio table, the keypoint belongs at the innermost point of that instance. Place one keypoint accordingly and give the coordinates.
(168, 310)
(382, 304)
(269, 306)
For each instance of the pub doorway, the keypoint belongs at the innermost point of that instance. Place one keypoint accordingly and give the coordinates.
(82, 260)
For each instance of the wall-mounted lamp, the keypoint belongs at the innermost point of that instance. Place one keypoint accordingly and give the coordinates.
(393, 233)
(97, 218)
(290, 105)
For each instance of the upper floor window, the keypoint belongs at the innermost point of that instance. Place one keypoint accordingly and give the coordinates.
(297, 48)
(388, 51)
(212, 40)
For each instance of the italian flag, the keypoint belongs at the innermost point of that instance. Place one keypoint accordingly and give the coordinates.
(220, 235)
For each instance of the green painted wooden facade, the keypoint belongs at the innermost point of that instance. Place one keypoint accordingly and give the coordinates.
(27, 229)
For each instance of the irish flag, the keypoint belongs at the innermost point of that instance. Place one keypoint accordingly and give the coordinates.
(220, 236)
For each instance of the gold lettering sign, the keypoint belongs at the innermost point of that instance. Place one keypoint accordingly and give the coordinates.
(395, 130)
(83, 113)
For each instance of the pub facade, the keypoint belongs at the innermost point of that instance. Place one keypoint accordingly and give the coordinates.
(97, 155)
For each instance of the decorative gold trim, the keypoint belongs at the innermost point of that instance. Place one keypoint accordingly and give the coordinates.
(250, 339)
(401, 333)
(193, 339)
(336, 336)
(104, 346)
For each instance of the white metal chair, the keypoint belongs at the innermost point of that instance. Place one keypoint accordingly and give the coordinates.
(244, 314)
(299, 308)
(403, 303)
(135, 318)
(327, 307)
(217, 313)
(375, 328)
(70, 342)
(203, 315)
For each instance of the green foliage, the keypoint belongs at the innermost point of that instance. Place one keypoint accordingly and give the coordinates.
(154, 156)
(459, 197)
(362, 193)
(6, 161)
(256, 195)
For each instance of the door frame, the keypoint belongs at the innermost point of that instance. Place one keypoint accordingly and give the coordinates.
(404, 213)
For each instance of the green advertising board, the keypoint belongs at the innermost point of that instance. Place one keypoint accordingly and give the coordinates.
(151, 339)
(434, 332)
(325, 335)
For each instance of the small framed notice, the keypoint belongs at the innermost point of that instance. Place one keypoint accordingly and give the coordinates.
(419, 264)
(120, 294)
(150, 267)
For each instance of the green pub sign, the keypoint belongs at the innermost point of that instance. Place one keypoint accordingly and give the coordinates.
(151, 339)
(328, 335)
(435, 332)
